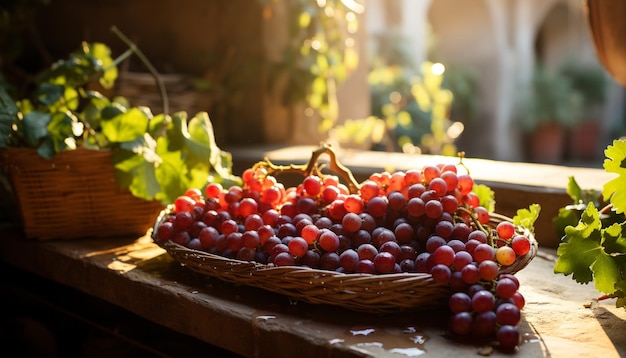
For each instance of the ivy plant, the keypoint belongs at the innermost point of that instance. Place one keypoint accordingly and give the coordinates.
(157, 157)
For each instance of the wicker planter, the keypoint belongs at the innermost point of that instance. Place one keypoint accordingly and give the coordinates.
(73, 195)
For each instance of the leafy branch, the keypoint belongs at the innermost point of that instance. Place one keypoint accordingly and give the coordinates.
(594, 249)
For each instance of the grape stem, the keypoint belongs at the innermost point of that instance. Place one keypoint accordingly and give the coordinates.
(606, 297)
(461, 155)
(606, 209)
(476, 222)
(313, 167)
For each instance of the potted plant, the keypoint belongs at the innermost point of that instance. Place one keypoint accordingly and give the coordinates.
(548, 107)
(82, 164)
(591, 82)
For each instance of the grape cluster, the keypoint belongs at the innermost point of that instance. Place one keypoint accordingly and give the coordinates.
(419, 221)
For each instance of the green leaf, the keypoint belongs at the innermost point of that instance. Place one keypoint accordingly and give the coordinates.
(177, 132)
(620, 289)
(612, 239)
(615, 162)
(573, 190)
(486, 196)
(580, 247)
(568, 215)
(62, 129)
(49, 93)
(34, 126)
(135, 164)
(172, 173)
(104, 64)
(112, 110)
(201, 140)
(125, 127)
(159, 125)
(605, 272)
(526, 217)
(92, 114)
(46, 149)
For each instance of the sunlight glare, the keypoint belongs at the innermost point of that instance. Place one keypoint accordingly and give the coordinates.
(455, 130)
(329, 11)
(438, 69)
(395, 97)
(354, 6)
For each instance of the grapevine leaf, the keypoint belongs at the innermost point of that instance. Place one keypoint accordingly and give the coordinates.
(177, 132)
(171, 173)
(200, 141)
(573, 190)
(580, 247)
(201, 132)
(486, 196)
(605, 272)
(112, 110)
(135, 164)
(196, 140)
(568, 215)
(158, 125)
(526, 217)
(615, 162)
(613, 241)
(125, 127)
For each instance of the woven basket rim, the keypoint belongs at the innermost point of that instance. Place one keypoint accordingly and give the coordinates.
(402, 289)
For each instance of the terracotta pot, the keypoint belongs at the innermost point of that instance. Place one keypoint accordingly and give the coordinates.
(547, 144)
(607, 26)
(583, 141)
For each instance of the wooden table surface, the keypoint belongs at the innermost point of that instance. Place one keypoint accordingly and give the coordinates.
(139, 276)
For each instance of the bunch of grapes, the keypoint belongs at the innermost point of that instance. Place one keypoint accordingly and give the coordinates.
(417, 221)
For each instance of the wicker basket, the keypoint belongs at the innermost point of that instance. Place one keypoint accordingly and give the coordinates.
(140, 89)
(73, 195)
(386, 293)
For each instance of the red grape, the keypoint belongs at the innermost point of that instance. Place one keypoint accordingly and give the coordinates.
(312, 184)
(508, 336)
(505, 230)
(384, 262)
(505, 255)
(520, 244)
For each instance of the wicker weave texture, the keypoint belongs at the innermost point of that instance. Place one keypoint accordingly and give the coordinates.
(74, 195)
(388, 293)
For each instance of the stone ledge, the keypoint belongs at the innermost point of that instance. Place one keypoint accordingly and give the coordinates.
(142, 278)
